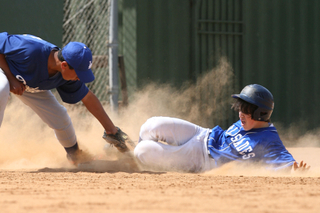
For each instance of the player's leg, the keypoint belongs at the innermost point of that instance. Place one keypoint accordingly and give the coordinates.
(173, 131)
(4, 94)
(56, 116)
(53, 114)
(188, 157)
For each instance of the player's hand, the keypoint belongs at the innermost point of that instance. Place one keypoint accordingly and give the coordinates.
(17, 87)
(302, 167)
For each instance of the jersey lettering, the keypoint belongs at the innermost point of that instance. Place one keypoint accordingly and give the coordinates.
(243, 152)
(243, 147)
(250, 155)
(236, 144)
(20, 78)
(28, 89)
(233, 130)
(235, 138)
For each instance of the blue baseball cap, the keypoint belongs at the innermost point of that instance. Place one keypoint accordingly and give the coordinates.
(79, 56)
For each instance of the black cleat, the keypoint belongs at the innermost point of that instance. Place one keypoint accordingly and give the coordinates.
(79, 157)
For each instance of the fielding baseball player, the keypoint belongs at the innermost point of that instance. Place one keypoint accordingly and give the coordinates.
(187, 147)
(30, 67)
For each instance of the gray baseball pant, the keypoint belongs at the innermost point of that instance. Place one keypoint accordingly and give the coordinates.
(48, 109)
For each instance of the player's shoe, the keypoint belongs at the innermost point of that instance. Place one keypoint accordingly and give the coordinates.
(120, 140)
(79, 157)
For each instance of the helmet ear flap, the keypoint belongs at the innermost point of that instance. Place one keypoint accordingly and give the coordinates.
(257, 115)
(261, 114)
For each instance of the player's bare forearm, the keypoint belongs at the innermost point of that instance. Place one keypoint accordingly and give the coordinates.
(16, 86)
(4, 66)
(94, 106)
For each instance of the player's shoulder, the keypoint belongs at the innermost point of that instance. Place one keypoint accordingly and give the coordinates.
(270, 130)
(31, 40)
(3, 38)
(237, 124)
(3, 35)
(265, 135)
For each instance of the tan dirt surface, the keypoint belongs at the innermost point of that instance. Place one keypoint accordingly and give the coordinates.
(111, 186)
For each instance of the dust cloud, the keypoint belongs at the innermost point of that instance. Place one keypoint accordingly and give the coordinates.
(197, 103)
(27, 143)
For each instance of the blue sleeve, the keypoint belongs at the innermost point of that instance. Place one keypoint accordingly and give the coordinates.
(214, 139)
(277, 156)
(3, 37)
(73, 91)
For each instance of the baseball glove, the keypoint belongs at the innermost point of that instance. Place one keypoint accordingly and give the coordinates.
(120, 140)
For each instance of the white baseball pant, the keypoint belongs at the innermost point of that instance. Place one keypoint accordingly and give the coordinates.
(48, 109)
(183, 146)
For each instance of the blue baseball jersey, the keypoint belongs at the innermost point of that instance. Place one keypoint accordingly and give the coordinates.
(27, 57)
(261, 145)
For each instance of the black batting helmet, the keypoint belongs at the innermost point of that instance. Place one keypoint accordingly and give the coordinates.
(260, 97)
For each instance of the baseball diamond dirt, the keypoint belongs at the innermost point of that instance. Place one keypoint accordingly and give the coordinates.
(115, 189)
(35, 175)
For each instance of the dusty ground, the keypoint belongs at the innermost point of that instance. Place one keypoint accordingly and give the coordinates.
(107, 186)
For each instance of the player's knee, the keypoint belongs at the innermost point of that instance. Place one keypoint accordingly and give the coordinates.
(61, 121)
(151, 125)
(143, 151)
(139, 150)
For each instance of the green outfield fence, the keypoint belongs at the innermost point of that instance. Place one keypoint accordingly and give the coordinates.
(275, 43)
(219, 33)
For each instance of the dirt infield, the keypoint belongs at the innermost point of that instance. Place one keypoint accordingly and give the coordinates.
(110, 186)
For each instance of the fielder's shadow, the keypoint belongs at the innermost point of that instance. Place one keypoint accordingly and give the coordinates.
(102, 166)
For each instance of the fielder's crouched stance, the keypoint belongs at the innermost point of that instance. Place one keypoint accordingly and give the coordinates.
(30, 67)
(186, 147)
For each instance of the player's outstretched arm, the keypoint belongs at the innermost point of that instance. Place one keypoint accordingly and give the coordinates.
(112, 134)
(302, 167)
(94, 106)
